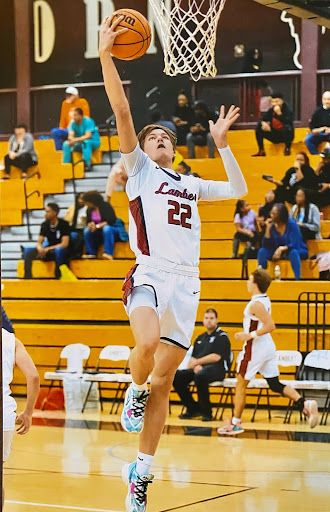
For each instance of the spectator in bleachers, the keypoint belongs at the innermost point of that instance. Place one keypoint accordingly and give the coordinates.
(282, 240)
(117, 177)
(71, 102)
(301, 175)
(276, 125)
(158, 118)
(322, 171)
(103, 227)
(209, 362)
(200, 130)
(76, 216)
(183, 118)
(264, 211)
(307, 216)
(21, 152)
(52, 244)
(319, 125)
(245, 224)
(183, 168)
(83, 136)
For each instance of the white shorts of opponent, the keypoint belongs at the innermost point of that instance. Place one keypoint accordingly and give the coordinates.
(171, 290)
(259, 356)
(7, 440)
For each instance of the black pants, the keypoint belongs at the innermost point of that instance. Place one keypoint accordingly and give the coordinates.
(241, 237)
(209, 373)
(274, 136)
(23, 162)
(59, 255)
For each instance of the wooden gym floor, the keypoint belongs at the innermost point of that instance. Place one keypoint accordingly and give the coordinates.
(72, 462)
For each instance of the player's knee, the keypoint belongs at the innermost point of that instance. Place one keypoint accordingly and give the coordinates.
(275, 385)
(147, 348)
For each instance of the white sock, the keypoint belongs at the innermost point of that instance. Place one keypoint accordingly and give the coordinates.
(235, 421)
(140, 387)
(143, 463)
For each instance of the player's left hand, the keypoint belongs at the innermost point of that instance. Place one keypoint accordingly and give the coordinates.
(242, 336)
(220, 129)
(23, 421)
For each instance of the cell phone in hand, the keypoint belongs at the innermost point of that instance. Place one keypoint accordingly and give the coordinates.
(267, 177)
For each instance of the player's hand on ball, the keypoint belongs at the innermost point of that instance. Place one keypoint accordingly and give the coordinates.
(220, 129)
(108, 33)
(242, 336)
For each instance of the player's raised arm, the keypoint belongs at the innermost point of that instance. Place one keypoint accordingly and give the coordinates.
(114, 87)
(236, 186)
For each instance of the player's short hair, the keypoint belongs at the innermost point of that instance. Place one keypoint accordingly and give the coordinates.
(54, 207)
(211, 310)
(149, 128)
(262, 279)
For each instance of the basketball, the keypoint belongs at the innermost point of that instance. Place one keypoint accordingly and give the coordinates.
(135, 42)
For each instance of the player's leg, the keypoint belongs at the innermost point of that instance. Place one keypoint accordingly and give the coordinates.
(234, 426)
(137, 474)
(264, 255)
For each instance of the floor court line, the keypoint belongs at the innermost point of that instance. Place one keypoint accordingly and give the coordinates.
(52, 505)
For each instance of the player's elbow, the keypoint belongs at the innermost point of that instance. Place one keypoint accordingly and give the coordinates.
(272, 326)
(122, 111)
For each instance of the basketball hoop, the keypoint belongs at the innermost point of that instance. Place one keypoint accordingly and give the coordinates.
(189, 35)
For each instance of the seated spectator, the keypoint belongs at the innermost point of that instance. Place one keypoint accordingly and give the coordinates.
(103, 227)
(117, 176)
(76, 216)
(282, 240)
(322, 171)
(83, 136)
(183, 118)
(306, 215)
(71, 102)
(301, 175)
(200, 130)
(319, 125)
(245, 224)
(183, 168)
(209, 362)
(276, 125)
(21, 152)
(53, 242)
(157, 118)
(264, 211)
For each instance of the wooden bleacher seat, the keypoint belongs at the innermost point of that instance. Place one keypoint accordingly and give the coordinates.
(96, 156)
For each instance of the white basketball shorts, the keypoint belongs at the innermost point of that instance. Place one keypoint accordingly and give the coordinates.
(173, 296)
(7, 439)
(259, 356)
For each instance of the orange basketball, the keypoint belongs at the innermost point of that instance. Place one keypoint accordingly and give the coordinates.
(135, 42)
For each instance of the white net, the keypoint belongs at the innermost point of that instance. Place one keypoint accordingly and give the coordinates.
(189, 35)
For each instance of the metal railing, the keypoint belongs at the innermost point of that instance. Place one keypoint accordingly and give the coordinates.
(313, 329)
(26, 196)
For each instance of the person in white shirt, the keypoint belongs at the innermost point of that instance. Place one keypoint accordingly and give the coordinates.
(161, 292)
(259, 355)
(14, 353)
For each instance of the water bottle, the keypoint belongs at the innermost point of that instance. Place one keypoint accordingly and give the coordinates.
(277, 273)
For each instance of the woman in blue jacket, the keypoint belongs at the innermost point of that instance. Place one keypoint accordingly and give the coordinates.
(282, 240)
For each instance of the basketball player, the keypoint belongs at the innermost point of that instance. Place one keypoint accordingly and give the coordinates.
(14, 352)
(161, 292)
(259, 355)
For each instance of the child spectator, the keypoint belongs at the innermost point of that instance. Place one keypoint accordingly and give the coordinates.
(307, 216)
(245, 224)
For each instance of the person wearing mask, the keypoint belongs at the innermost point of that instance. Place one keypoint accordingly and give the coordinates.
(83, 136)
(53, 242)
(282, 240)
(72, 101)
(103, 227)
(319, 125)
(245, 224)
(322, 171)
(200, 130)
(21, 152)
(183, 118)
(306, 215)
(300, 175)
(76, 216)
(276, 125)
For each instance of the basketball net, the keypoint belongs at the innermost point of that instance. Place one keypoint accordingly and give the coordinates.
(189, 35)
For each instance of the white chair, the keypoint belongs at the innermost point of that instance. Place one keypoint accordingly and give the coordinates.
(119, 379)
(75, 355)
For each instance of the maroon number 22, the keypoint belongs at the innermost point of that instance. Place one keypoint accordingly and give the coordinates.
(179, 214)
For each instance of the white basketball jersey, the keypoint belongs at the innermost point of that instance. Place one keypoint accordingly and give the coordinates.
(164, 221)
(8, 362)
(251, 322)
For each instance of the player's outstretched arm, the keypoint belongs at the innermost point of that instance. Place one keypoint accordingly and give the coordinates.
(114, 87)
(27, 366)
(236, 186)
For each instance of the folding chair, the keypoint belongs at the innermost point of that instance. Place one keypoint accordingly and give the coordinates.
(120, 380)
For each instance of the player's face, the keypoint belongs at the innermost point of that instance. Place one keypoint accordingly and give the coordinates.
(158, 147)
(250, 283)
(210, 321)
